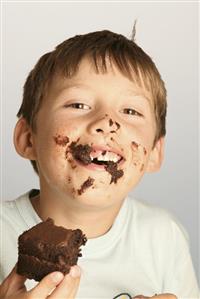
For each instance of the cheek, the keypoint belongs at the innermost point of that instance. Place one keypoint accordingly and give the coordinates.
(51, 145)
(139, 155)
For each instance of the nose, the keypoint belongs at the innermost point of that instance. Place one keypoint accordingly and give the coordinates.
(105, 125)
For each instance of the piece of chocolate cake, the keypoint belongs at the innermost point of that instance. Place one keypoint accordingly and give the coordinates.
(46, 248)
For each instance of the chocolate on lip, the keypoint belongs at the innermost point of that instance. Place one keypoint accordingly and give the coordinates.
(84, 152)
(81, 152)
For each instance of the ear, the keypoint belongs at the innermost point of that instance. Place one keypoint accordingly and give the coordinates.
(23, 140)
(156, 156)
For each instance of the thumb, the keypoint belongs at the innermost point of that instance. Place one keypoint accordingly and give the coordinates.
(46, 285)
(13, 282)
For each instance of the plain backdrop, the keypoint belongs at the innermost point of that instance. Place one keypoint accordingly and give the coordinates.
(168, 32)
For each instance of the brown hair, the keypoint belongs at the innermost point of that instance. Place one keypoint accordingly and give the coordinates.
(129, 58)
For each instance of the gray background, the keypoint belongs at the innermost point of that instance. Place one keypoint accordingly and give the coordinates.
(168, 33)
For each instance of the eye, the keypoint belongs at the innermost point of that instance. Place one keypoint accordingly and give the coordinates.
(78, 106)
(131, 112)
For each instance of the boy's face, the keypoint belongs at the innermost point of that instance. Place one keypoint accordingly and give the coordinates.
(109, 113)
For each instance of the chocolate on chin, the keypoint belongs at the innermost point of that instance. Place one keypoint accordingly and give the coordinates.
(46, 248)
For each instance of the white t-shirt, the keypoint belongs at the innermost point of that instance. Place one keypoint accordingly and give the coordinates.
(145, 252)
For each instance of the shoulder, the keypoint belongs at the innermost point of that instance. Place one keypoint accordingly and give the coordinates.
(11, 212)
(157, 221)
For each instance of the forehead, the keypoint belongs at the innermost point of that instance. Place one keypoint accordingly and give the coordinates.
(88, 78)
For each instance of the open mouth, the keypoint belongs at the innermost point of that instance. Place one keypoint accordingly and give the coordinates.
(98, 158)
(105, 158)
(94, 155)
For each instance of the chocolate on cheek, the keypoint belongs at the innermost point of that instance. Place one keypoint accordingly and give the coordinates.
(61, 140)
(139, 152)
(142, 167)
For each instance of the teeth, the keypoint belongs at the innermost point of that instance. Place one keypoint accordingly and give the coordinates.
(108, 157)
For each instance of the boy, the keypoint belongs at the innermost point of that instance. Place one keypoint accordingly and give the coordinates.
(92, 122)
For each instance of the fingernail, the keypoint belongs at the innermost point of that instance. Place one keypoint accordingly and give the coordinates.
(75, 271)
(56, 276)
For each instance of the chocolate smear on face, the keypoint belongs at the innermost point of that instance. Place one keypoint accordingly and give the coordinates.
(89, 182)
(61, 140)
(66, 153)
(110, 122)
(73, 165)
(81, 152)
(135, 145)
(111, 167)
(118, 125)
(142, 168)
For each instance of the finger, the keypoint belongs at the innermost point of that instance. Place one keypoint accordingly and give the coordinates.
(164, 296)
(46, 285)
(13, 282)
(141, 297)
(69, 285)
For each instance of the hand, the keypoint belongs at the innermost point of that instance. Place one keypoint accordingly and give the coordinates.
(160, 296)
(55, 284)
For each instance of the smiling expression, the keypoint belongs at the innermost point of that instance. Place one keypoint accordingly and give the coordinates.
(107, 112)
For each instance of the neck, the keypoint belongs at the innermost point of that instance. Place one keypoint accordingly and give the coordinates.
(94, 222)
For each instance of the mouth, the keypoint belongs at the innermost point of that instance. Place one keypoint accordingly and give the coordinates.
(96, 157)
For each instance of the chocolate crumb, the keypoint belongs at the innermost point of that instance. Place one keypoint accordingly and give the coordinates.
(73, 166)
(113, 131)
(69, 179)
(135, 145)
(118, 125)
(66, 153)
(81, 152)
(103, 153)
(89, 182)
(110, 122)
(111, 167)
(61, 140)
(142, 167)
(145, 151)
